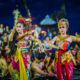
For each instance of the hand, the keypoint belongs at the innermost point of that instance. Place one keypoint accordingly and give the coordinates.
(46, 74)
(26, 32)
(52, 74)
(59, 47)
(33, 31)
(29, 32)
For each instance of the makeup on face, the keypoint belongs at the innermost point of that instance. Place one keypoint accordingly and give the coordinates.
(20, 28)
(62, 27)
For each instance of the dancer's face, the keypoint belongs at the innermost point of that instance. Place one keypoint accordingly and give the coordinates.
(63, 29)
(20, 28)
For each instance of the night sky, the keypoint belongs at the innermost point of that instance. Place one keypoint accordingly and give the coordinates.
(39, 9)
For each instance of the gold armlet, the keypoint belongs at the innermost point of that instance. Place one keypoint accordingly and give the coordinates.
(77, 38)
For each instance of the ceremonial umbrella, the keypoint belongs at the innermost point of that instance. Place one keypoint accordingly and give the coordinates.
(47, 21)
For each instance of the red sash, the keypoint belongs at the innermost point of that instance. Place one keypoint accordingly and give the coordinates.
(59, 71)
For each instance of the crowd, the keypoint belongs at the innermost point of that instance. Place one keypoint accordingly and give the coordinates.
(42, 60)
(6, 54)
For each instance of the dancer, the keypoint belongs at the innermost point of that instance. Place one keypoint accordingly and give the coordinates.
(64, 59)
(21, 56)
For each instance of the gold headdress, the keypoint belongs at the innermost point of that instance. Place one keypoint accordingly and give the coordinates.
(28, 20)
(21, 19)
(62, 22)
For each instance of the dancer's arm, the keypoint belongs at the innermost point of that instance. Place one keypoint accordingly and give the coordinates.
(24, 35)
(51, 43)
(51, 71)
(75, 38)
(38, 41)
(73, 59)
(37, 70)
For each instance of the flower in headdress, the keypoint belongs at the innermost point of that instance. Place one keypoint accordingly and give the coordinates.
(21, 19)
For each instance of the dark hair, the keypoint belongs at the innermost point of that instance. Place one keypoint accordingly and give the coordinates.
(12, 44)
(53, 56)
(41, 56)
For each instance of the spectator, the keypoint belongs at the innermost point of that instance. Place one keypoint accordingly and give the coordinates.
(7, 29)
(37, 29)
(1, 29)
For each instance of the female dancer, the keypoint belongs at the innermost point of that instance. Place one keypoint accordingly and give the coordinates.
(64, 59)
(21, 57)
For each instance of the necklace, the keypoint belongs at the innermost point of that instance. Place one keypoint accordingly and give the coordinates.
(63, 37)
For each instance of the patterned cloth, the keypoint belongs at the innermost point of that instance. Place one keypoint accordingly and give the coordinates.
(20, 63)
(64, 64)
(15, 65)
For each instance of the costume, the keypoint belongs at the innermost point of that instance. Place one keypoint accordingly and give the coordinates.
(20, 60)
(64, 63)
(21, 56)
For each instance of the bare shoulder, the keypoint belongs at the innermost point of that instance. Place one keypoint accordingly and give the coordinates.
(55, 38)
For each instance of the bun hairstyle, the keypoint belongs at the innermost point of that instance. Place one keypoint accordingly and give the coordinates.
(62, 22)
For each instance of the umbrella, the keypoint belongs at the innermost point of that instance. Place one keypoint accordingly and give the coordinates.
(47, 21)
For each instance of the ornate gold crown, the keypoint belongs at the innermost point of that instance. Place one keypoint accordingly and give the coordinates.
(63, 21)
(21, 19)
